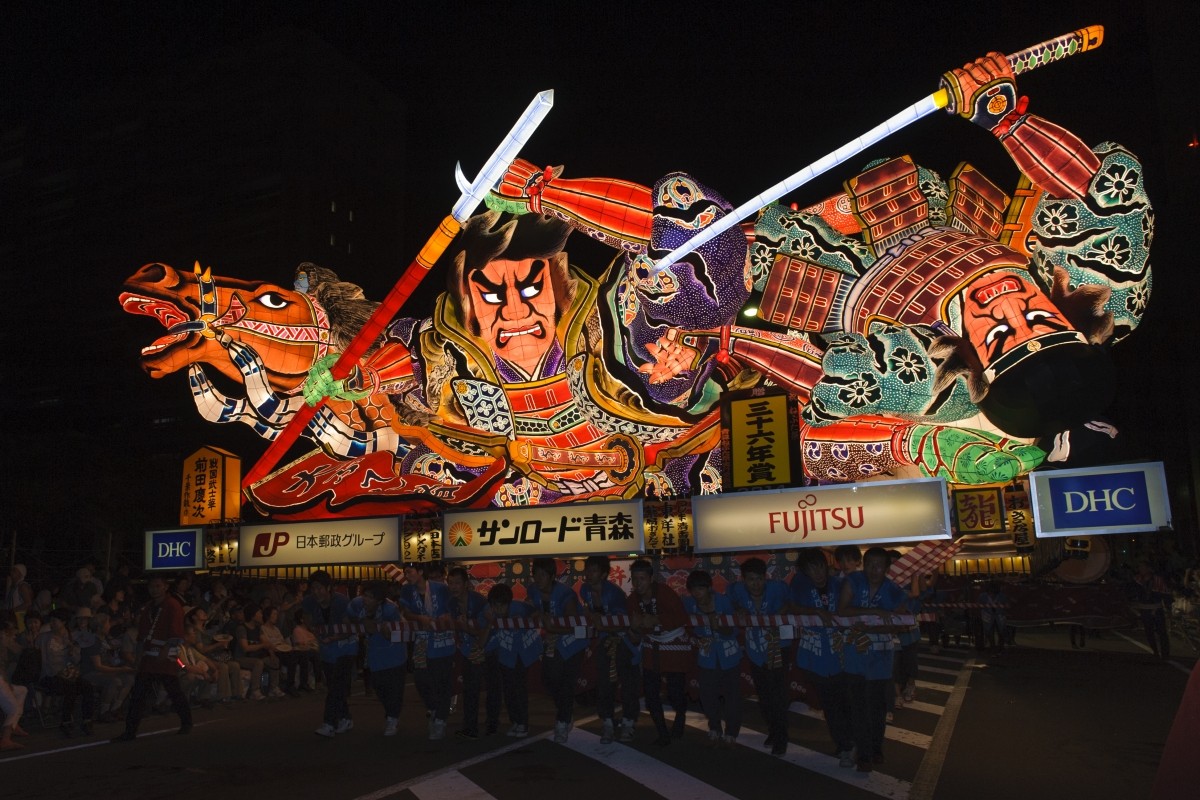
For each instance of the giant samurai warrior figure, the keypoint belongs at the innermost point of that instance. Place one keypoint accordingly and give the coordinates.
(921, 324)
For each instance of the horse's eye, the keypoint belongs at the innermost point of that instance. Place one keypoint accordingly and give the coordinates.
(273, 300)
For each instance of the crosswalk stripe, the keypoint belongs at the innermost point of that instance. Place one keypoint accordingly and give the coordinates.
(875, 782)
(661, 778)
(450, 786)
(938, 687)
(937, 670)
(928, 708)
(950, 659)
(902, 735)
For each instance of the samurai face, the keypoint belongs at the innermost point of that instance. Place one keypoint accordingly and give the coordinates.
(1003, 311)
(514, 305)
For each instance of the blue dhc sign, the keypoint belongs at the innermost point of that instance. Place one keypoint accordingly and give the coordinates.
(177, 549)
(1095, 501)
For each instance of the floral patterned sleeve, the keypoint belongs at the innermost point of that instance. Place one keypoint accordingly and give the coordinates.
(1102, 239)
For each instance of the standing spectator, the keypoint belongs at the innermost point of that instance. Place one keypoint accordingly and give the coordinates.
(427, 603)
(385, 658)
(516, 649)
(60, 672)
(18, 595)
(78, 592)
(101, 668)
(326, 607)
(992, 617)
(477, 654)
(908, 643)
(160, 633)
(617, 657)
(562, 652)
(12, 697)
(659, 622)
(817, 592)
(868, 657)
(754, 594)
(1151, 598)
(719, 658)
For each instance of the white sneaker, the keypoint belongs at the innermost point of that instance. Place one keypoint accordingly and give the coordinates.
(560, 732)
(437, 728)
(626, 732)
(728, 741)
(390, 725)
(846, 759)
(606, 732)
(714, 737)
(518, 731)
(256, 695)
(345, 725)
(326, 730)
(277, 692)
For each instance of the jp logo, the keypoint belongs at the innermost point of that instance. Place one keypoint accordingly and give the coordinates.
(266, 544)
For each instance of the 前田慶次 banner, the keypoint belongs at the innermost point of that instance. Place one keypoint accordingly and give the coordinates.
(341, 541)
(560, 530)
(860, 513)
(1125, 498)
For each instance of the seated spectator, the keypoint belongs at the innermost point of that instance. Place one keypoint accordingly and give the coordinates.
(12, 698)
(280, 648)
(198, 677)
(306, 648)
(60, 673)
(215, 648)
(100, 665)
(117, 606)
(43, 603)
(81, 633)
(18, 595)
(254, 654)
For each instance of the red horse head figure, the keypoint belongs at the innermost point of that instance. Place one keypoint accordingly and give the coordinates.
(289, 329)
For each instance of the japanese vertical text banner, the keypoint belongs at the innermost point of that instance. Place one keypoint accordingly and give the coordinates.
(760, 434)
(564, 530)
(342, 541)
(211, 490)
(819, 516)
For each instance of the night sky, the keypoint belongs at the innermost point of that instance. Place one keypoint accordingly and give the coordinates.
(739, 94)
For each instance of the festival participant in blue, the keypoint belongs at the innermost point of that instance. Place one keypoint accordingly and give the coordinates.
(385, 658)
(719, 657)
(868, 656)
(427, 603)
(477, 651)
(754, 594)
(562, 654)
(815, 591)
(515, 650)
(323, 606)
(617, 658)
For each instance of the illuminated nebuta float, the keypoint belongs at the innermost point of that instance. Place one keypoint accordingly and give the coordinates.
(928, 326)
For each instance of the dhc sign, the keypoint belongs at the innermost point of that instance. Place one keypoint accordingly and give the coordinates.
(179, 548)
(1126, 498)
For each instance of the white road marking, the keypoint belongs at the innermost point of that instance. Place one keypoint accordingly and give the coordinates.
(937, 670)
(97, 743)
(875, 782)
(902, 735)
(925, 781)
(1174, 664)
(450, 786)
(656, 776)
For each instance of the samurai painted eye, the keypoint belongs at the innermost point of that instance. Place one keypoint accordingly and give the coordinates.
(1034, 317)
(995, 333)
(273, 300)
(491, 298)
(531, 291)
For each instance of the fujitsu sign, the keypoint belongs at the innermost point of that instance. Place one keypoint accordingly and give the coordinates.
(877, 511)
(809, 516)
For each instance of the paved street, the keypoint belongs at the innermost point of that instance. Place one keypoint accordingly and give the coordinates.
(1039, 720)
